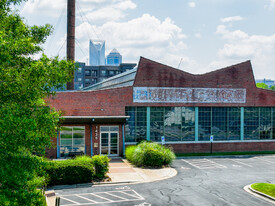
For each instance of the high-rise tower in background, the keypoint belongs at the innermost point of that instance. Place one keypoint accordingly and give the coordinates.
(114, 58)
(97, 52)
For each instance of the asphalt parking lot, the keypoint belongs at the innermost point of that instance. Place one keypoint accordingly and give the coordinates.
(200, 181)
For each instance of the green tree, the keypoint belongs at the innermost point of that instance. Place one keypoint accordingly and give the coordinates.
(26, 121)
(262, 85)
(272, 87)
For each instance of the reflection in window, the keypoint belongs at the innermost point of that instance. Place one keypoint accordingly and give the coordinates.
(72, 140)
(251, 122)
(188, 123)
(136, 127)
(204, 123)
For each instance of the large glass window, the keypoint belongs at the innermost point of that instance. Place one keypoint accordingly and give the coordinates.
(234, 123)
(273, 123)
(157, 123)
(72, 141)
(204, 123)
(178, 123)
(136, 127)
(251, 122)
(172, 123)
(188, 123)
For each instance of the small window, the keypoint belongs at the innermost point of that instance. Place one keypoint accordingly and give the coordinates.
(79, 70)
(79, 79)
(111, 72)
(94, 72)
(87, 80)
(103, 72)
(94, 81)
(88, 72)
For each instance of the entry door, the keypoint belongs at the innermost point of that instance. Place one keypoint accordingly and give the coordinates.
(109, 141)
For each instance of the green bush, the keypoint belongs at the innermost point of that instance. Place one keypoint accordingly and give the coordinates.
(149, 154)
(101, 164)
(82, 169)
(129, 153)
(69, 172)
(19, 181)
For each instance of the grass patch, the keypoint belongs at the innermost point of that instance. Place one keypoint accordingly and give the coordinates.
(225, 153)
(266, 188)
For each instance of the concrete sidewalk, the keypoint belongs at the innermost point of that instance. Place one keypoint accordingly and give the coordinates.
(121, 171)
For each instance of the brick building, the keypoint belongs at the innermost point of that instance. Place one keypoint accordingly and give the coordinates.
(156, 100)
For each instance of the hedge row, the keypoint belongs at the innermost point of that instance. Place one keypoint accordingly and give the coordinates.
(149, 154)
(74, 171)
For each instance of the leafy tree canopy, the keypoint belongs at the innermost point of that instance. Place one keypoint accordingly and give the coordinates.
(265, 86)
(26, 122)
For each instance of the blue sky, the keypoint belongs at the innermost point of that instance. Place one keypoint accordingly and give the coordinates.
(196, 36)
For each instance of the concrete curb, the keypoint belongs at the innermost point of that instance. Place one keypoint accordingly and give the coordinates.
(261, 195)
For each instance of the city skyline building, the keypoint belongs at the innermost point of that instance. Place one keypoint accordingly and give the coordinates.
(114, 58)
(97, 52)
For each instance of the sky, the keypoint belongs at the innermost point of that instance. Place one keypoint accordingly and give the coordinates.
(196, 36)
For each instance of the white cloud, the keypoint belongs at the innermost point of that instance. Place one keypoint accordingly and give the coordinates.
(198, 35)
(44, 7)
(270, 5)
(240, 46)
(95, 10)
(231, 18)
(192, 4)
(146, 36)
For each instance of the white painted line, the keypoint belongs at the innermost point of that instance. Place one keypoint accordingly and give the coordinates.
(138, 194)
(263, 160)
(76, 203)
(130, 195)
(102, 197)
(239, 162)
(87, 199)
(115, 196)
(204, 164)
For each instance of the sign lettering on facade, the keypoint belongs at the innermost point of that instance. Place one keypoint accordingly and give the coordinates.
(188, 95)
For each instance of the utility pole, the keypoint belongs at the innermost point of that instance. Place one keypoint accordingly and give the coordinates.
(71, 37)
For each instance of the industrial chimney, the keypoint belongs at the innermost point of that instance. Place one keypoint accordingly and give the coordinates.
(71, 37)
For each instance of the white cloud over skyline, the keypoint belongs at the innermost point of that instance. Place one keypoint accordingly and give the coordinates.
(162, 38)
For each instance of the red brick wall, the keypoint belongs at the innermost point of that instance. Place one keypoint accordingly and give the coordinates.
(109, 102)
(223, 147)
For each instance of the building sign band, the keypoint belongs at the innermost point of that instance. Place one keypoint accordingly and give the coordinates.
(188, 95)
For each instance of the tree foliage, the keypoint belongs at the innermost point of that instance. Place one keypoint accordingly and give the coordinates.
(26, 121)
(265, 86)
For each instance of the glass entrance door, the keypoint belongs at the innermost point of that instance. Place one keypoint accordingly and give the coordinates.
(109, 140)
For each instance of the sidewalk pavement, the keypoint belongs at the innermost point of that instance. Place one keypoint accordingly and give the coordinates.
(121, 171)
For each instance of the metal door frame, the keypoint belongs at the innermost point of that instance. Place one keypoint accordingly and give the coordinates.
(109, 139)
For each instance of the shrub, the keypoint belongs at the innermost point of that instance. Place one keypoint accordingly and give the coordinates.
(69, 172)
(149, 154)
(101, 164)
(129, 153)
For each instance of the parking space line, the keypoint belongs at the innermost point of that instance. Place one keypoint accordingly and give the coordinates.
(116, 196)
(263, 160)
(130, 195)
(76, 203)
(127, 195)
(204, 164)
(239, 162)
(102, 197)
(86, 199)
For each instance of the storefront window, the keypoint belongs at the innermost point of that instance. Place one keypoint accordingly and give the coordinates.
(135, 127)
(188, 123)
(72, 141)
(204, 123)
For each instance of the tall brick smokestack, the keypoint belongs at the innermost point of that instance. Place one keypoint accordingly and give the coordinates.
(70, 36)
